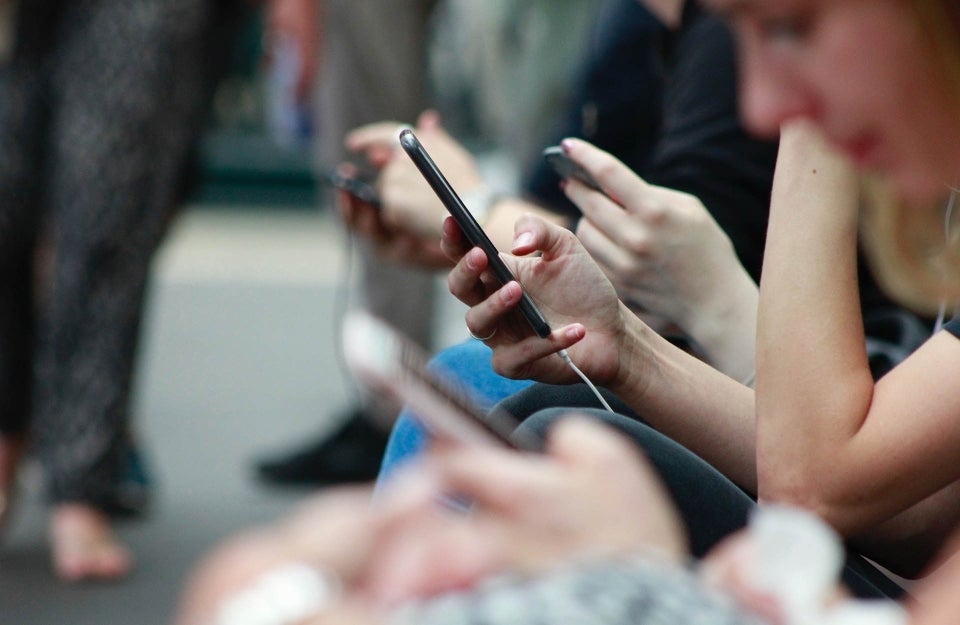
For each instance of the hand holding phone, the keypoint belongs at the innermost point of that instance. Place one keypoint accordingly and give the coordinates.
(356, 186)
(391, 364)
(470, 227)
(565, 167)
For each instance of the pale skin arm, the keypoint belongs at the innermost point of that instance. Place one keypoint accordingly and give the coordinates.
(936, 598)
(829, 439)
(691, 402)
(664, 251)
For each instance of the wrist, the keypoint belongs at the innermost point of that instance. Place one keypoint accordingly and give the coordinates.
(635, 356)
(480, 201)
(724, 326)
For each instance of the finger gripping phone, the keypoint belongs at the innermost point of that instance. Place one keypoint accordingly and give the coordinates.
(469, 226)
(355, 186)
(566, 167)
(392, 365)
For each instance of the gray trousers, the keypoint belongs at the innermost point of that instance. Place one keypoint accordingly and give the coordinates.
(374, 68)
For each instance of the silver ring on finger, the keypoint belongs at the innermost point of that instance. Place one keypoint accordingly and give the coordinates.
(483, 338)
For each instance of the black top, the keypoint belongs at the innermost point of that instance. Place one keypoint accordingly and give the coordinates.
(665, 103)
(953, 326)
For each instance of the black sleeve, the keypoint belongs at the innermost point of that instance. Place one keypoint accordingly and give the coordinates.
(615, 101)
(672, 116)
(953, 326)
(703, 148)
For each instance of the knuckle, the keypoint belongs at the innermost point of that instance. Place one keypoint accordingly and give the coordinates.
(627, 267)
(605, 170)
(658, 214)
(502, 366)
(454, 282)
(638, 242)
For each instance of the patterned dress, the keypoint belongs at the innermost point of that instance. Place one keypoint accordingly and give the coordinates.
(100, 105)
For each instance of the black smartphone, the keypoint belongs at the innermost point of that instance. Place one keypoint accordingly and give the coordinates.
(356, 186)
(395, 367)
(471, 229)
(567, 168)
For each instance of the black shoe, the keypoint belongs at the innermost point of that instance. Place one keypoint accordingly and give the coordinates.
(351, 454)
(131, 495)
(135, 488)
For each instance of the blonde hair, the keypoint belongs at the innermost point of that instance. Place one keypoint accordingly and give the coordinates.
(914, 250)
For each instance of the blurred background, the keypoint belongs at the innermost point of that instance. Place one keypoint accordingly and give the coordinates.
(239, 349)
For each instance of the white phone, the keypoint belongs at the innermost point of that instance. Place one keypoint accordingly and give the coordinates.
(389, 363)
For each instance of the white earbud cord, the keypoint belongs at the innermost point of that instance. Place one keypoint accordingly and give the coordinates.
(566, 358)
(948, 214)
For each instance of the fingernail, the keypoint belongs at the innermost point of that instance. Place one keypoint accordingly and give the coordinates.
(575, 332)
(566, 145)
(472, 259)
(523, 239)
(407, 489)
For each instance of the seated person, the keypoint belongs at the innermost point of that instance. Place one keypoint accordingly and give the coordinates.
(703, 171)
(588, 498)
(693, 404)
(687, 137)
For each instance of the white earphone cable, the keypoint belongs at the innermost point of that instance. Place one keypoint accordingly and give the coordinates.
(566, 358)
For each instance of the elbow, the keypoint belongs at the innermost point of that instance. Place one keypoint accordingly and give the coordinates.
(903, 548)
(789, 491)
(806, 489)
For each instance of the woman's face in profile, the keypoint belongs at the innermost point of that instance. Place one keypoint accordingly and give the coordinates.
(865, 71)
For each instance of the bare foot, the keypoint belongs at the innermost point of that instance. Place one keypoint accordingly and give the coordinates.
(11, 450)
(84, 545)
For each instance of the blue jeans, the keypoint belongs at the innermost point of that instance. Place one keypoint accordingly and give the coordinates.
(468, 364)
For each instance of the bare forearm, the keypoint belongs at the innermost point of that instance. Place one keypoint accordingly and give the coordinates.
(691, 402)
(907, 543)
(725, 327)
(813, 383)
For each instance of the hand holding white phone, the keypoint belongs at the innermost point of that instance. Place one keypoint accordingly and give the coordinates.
(390, 363)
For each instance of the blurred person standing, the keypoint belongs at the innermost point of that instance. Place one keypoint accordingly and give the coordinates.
(101, 102)
(361, 62)
(507, 66)
(497, 60)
